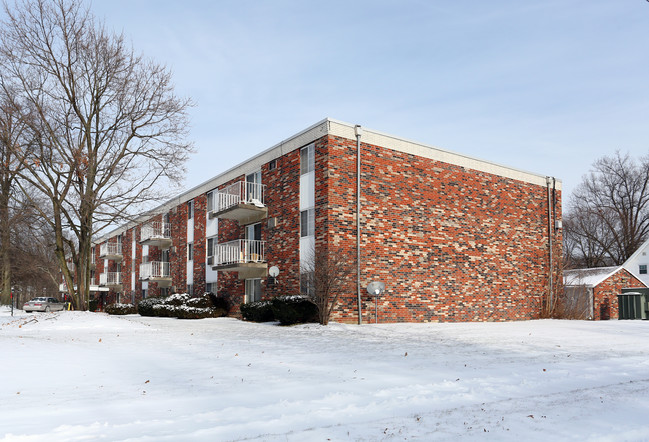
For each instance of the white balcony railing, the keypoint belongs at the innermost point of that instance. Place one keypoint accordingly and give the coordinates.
(239, 251)
(241, 192)
(110, 278)
(155, 270)
(155, 230)
(110, 249)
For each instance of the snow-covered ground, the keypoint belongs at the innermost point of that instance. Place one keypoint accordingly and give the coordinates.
(83, 376)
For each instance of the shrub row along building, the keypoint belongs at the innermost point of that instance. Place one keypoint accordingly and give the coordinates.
(453, 238)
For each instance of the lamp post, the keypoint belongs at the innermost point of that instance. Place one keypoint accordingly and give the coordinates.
(376, 289)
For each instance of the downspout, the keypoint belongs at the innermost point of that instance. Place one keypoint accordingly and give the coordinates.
(359, 131)
(550, 181)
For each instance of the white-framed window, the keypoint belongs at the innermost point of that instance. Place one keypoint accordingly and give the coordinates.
(190, 289)
(307, 223)
(210, 201)
(253, 290)
(190, 251)
(190, 209)
(307, 159)
(210, 245)
(643, 269)
(210, 287)
(306, 283)
(272, 165)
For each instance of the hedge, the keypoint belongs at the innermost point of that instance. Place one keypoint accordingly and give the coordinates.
(290, 310)
(121, 309)
(183, 306)
(258, 311)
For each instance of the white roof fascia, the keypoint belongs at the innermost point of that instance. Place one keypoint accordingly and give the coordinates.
(399, 144)
(329, 126)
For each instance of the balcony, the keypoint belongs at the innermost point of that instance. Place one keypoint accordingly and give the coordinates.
(110, 279)
(110, 250)
(241, 201)
(156, 271)
(157, 234)
(243, 256)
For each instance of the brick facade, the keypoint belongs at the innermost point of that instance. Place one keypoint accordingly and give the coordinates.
(452, 242)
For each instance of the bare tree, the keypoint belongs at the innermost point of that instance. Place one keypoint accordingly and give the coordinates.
(107, 131)
(325, 276)
(12, 131)
(609, 215)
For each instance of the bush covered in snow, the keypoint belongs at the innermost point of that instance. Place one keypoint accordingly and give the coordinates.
(184, 306)
(258, 311)
(145, 306)
(294, 310)
(121, 309)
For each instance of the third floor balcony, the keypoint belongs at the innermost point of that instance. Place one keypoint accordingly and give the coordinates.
(110, 250)
(156, 234)
(242, 201)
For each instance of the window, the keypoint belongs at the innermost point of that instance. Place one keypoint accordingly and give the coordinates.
(307, 159)
(210, 287)
(190, 289)
(307, 223)
(306, 284)
(643, 269)
(190, 251)
(272, 165)
(190, 209)
(253, 290)
(143, 293)
(210, 201)
(210, 246)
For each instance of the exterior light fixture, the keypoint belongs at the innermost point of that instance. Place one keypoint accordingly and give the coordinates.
(376, 289)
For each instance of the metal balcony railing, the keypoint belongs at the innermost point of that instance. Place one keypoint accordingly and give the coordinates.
(239, 251)
(110, 278)
(155, 270)
(109, 249)
(241, 192)
(155, 230)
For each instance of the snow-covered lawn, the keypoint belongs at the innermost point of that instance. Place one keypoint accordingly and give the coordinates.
(82, 376)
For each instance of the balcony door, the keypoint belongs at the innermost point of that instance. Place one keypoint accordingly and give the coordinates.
(253, 187)
(252, 246)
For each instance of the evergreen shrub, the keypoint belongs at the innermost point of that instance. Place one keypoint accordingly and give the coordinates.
(290, 310)
(258, 311)
(121, 309)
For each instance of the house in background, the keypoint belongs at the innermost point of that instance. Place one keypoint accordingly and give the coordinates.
(638, 262)
(597, 289)
(453, 238)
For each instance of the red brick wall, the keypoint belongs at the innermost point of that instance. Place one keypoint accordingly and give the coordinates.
(605, 294)
(451, 244)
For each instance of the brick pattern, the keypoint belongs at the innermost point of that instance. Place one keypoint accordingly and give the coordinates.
(451, 243)
(605, 304)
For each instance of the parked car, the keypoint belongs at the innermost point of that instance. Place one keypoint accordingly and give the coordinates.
(43, 305)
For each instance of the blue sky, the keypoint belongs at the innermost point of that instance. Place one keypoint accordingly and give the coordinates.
(546, 87)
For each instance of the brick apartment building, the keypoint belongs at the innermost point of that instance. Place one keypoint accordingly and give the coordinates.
(453, 238)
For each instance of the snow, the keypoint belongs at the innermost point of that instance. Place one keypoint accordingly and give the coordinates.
(71, 376)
